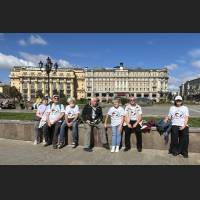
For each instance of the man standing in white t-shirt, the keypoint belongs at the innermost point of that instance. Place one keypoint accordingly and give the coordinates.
(54, 114)
(133, 118)
(179, 116)
(70, 122)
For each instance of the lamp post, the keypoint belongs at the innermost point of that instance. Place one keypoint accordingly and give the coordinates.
(48, 68)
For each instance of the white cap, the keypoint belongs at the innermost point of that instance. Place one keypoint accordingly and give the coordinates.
(178, 98)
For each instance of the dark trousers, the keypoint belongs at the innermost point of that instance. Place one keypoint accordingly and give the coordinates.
(51, 133)
(138, 134)
(179, 140)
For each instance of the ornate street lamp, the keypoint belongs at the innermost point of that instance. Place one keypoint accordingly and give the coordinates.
(48, 68)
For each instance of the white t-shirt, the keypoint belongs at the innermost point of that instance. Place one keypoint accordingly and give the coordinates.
(133, 111)
(116, 115)
(55, 111)
(178, 114)
(71, 112)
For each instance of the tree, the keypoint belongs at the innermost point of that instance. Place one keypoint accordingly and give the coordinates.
(14, 93)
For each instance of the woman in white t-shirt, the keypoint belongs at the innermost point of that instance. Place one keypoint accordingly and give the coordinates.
(70, 122)
(116, 112)
(179, 115)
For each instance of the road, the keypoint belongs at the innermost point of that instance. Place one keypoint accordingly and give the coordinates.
(15, 152)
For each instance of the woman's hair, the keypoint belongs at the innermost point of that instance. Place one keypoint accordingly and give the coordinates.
(71, 99)
(176, 101)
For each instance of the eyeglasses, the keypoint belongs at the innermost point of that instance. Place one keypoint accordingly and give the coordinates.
(56, 98)
(132, 99)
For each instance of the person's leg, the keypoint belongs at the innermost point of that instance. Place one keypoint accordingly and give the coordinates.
(138, 134)
(47, 137)
(75, 132)
(36, 132)
(55, 134)
(87, 137)
(114, 138)
(127, 138)
(174, 140)
(63, 133)
(118, 138)
(102, 132)
(184, 142)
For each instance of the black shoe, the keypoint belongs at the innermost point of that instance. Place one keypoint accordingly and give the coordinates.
(46, 144)
(126, 149)
(139, 149)
(55, 146)
(106, 146)
(74, 146)
(87, 149)
(185, 155)
(174, 154)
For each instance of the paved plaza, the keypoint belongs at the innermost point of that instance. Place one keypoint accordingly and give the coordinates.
(15, 152)
(155, 110)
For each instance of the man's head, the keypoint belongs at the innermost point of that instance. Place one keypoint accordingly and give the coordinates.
(178, 101)
(71, 101)
(94, 101)
(55, 98)
(132, 100)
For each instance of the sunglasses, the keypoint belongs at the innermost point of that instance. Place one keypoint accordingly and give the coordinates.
(56, 98)
(132, 99)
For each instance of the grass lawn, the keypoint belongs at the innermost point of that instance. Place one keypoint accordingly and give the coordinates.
(193, 121)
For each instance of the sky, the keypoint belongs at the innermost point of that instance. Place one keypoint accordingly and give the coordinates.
(179, 52)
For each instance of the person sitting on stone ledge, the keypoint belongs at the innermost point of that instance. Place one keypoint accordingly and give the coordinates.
(133, 119)
(55, 113)
(92, 116)
(70, 122)
(40, 114)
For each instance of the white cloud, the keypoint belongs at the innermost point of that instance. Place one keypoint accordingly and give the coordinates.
(196, 63)
(37, 39)
(22, 42)
(63, 63)
(173, 83)
(8, 61)
(195, 53)
(171, 66)
(182, 61)
(32, 40)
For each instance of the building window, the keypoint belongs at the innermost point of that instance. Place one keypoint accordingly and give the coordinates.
(153, 95)
(139, 95)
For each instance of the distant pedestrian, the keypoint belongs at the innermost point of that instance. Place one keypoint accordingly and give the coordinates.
(116, 112)
(179, 115)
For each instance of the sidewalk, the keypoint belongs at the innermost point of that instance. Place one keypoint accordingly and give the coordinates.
(15, 152)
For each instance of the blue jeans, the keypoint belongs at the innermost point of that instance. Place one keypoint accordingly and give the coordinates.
(64, 130)
(116, 135)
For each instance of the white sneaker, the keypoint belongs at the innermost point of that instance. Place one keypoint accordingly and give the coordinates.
(43, 141)
(113, 149)
(35, 142)
(117, 149)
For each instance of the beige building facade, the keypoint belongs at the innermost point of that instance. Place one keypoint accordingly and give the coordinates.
(30, 80)
(106, 83)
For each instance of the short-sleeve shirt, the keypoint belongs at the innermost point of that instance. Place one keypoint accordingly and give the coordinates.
(133, 111)
(55, 110)
(178, 114)
(71, 111)
(41, 109)
(116, 115)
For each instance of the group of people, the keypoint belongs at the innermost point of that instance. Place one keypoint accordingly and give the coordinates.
(54, 121)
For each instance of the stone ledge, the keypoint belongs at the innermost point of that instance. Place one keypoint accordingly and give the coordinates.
(24, 130)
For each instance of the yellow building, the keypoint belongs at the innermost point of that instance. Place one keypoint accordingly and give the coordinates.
(30, 80)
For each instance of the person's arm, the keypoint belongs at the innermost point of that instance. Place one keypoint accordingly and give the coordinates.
(106, 119)
(83, 115)
(126, 118)
(168, 117)
(101, 114)
(139, 119)
(38, 114)
(186, 119)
